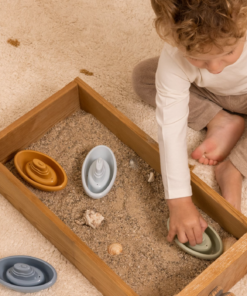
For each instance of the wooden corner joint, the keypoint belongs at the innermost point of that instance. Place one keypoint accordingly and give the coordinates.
(218, 291)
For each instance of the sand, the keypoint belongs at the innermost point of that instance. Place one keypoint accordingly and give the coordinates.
(135, 210)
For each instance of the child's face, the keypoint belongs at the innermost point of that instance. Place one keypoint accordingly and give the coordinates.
(214, 61)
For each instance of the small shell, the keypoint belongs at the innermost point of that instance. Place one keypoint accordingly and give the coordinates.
(217, 291)
(227, 294)
(133, 163)
(151, 177)
(93, 219)
(228, 242)
(115, 249)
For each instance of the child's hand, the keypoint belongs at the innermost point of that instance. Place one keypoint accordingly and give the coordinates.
(185, 221)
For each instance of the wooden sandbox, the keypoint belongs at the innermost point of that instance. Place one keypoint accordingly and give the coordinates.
(225, 271)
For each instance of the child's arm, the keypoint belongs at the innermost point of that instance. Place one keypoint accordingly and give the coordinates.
(172, 101)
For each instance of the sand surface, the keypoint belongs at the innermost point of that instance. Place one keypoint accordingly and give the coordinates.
(135, 210)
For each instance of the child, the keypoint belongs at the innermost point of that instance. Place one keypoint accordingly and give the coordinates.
(201, 79)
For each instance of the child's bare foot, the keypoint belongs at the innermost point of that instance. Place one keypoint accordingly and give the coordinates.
(223, 132)
(230, 181)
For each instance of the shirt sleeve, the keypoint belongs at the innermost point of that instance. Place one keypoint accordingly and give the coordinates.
(172, 101)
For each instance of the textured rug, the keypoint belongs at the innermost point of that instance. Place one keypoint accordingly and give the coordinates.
(57, 39)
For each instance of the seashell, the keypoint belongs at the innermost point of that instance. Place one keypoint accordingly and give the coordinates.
(151, 177)
(93, 219)
(228, 242)
(115, 249)
(217, 291)
(227, 294)
(133, 163)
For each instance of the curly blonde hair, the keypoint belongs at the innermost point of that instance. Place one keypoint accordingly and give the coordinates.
(197, 25)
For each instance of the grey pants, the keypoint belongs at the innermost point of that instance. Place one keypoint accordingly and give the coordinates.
(203, 106)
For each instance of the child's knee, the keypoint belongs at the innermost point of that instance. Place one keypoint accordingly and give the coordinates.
(143, 80)
(138, 76)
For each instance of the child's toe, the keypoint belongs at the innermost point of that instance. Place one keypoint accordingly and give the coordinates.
(202, 160)
(211, 162)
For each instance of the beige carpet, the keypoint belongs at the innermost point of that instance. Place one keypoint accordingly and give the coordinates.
(57, 39)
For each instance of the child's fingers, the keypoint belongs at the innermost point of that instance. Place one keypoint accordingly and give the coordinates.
(198, 234)
(191, 237)
(171, 235)
(203, 223)
(182, 237)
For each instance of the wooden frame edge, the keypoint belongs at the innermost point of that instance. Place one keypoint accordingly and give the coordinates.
(61, 236)
(213, 204)
(129, 133)
(38, 121)
(226, 271)
(82, 95)
(206, 198)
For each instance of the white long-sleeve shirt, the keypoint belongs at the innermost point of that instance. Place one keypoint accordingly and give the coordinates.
(173, 79)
